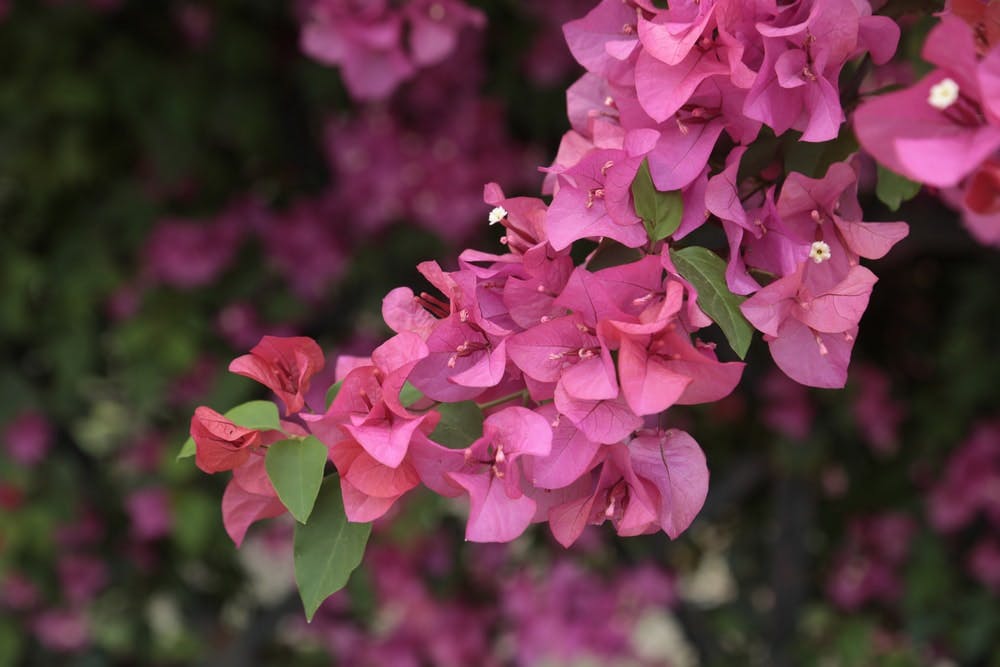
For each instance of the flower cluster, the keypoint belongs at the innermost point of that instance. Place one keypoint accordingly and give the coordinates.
(378, 45)
(536, 383)
(944, 130)
(663, 85)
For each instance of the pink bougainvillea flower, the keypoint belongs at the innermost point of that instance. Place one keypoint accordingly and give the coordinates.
(568, 352)
(584, 203)
(649, 387)
(491, 476)
(978, 199)
(604, 40)
(402, 311)
(283, 365)
(221, 444)
(248, 498)
(361, 412)
(572, 454)
(619, 293)
(655, 481)
(523, 217)
(675, 465)
(369, 488)
(531, 299)
(670, 67)
(670, 369)
(940, 129)
(805, 47)
(686, 139)
(807, 204)
(903, 131)
(811, 331)
(367, 407)
(833, 311)
(462, 360)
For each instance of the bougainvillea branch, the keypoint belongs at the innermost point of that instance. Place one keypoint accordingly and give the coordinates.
(535, 384)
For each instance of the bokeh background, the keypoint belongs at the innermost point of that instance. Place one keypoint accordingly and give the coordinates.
(177, 178)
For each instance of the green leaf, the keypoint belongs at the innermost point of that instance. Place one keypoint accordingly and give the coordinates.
(261, 415)
(893, 189)
(332, 392)
(327, 549)
(660, 211)
(707, 272)
(461, 424)
(187, 449)
(295, 468)
(409, 395)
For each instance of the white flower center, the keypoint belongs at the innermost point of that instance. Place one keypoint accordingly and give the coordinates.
(497, 214)
(819, 252)
(943, 94)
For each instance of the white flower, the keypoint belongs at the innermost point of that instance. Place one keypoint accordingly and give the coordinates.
(943, 94)
(819, 252)
(497, 214)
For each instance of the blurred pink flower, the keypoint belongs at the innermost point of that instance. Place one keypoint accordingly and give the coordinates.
(144, 453)
(877, 414)
(86, 529)
(28, 438)
(62, 630)
(196, 22)
(866, 566)
(378, 45)
(970, 482)
(306, 246)
(18, 593)
(188, 254)
(82, 576)
(149, 512)
(787, 407)
(984, 563)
